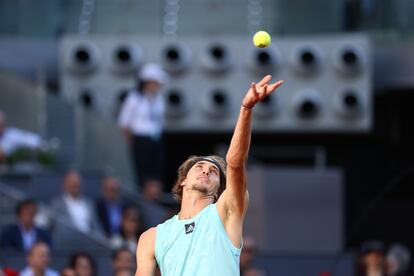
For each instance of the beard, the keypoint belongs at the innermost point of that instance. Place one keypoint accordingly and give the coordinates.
(201, 188)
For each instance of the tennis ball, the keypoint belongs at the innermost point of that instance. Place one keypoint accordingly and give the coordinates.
(261, 39)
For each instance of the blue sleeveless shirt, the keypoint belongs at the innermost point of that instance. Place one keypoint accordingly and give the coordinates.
(198, 246)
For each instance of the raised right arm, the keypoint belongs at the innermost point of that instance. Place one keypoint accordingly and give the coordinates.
(146, 263)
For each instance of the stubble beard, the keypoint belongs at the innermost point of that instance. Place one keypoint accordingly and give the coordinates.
(200, 188)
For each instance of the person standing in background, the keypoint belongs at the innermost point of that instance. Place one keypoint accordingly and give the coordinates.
(141, 121)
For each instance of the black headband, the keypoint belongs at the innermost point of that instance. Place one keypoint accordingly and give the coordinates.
(211, 160)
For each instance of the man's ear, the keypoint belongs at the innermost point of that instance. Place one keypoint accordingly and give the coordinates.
(184, 182)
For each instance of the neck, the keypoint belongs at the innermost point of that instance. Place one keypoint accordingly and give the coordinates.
(72, 196)
(110, 201)
(27, 227)
(192, 205)
(374, 271)
(374, 268)
(148, 93)
(130, 236)
(38, 271)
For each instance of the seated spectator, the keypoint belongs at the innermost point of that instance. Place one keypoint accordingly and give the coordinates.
(123, 272)
(72, 204)
(152, 189)
(398, 260)
(371, 259)
(152, 213)
(247, 257)
(122, 259)
(152, 209)
(83, 264)
(23, 234)
(109, 206)
(12, 139)
(67, 271)
(38, 261)
(130, 230)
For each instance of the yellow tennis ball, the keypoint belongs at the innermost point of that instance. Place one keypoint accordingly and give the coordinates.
(261, 39)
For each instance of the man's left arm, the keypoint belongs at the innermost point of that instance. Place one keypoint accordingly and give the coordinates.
(232, 204)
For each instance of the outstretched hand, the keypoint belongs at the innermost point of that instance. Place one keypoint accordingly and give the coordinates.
(259, 91)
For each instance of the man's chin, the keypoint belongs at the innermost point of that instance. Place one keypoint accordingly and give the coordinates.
(201, 188)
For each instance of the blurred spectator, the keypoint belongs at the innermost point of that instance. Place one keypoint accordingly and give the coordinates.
(77, 208)
(109, 206)
(398, 260)
(371, 260)
(67, 271)
(38, 261)
(23, 234)
(151, 214)
(123, 272)
(12, 139)
(152, 189)
(83, 264)
(155, 209)
(123, 259)
(247, 257)
(141, 119)
(130, 230)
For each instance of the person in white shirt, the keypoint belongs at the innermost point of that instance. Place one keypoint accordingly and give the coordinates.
(38, 261)
(72, 204)
(141, 120)
(12, 139)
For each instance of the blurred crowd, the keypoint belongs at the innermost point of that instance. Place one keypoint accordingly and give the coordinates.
(110, 217)
(375, 258)
(78, 264)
